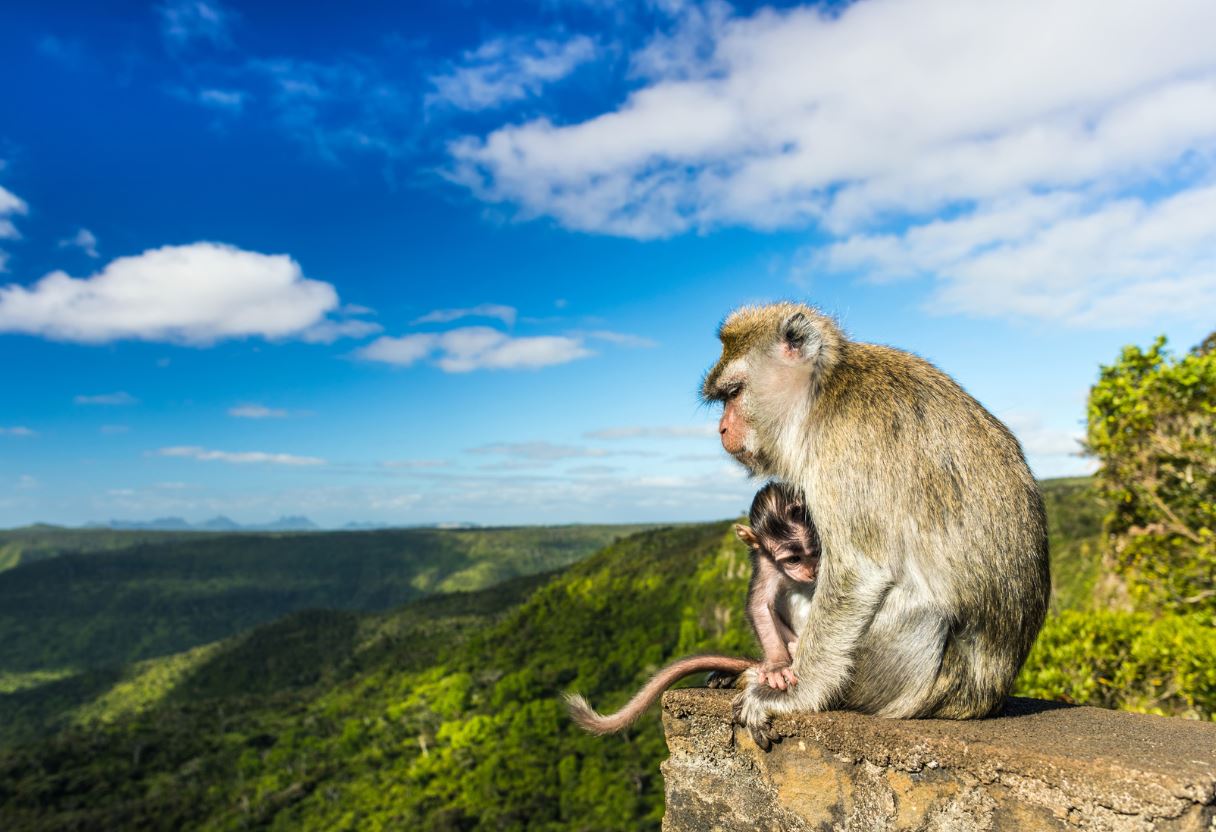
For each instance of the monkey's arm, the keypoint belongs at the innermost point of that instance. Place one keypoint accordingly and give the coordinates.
(845, 603)
(773, 634)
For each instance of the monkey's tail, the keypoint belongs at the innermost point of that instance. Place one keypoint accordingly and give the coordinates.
(582, 713)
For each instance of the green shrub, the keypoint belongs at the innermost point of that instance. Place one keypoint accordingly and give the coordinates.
(1126, 660)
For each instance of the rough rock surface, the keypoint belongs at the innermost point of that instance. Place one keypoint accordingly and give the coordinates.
(1037, 766)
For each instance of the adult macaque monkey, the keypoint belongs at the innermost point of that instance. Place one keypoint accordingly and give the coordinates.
(785, 553)
(933, 580)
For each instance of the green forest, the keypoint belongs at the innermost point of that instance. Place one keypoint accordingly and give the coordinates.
(382, 682)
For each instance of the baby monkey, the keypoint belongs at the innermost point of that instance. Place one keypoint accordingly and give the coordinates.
(785, 552)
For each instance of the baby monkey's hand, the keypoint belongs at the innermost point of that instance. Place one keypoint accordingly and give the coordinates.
(777, 675)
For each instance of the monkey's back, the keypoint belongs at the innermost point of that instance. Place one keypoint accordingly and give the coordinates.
(890, 434)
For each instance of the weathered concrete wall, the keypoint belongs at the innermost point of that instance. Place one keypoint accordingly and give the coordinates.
(1039, 766)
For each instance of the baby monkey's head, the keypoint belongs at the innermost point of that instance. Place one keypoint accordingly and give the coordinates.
(781, 529)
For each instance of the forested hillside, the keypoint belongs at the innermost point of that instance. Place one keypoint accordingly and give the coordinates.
(39, 542)
(99, 608)
(443, 715)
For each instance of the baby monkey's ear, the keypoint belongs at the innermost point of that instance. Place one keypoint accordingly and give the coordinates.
(748, 536)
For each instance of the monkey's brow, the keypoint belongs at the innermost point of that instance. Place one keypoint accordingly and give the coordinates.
(727, 387)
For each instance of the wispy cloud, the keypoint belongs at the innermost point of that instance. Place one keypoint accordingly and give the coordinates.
(108, 399)
(184, 22)
(506, 314)
(84, 239)
(257, 411)
(232, 101)
(238, 457)
(17, 430)
(61, 50)
(1052, 451)
(195, 294)
(657, 432)
(475, 348)
(540, 451)
(621, 339)
(335, 108)
(504, 70)
(416, 464)
(10, 205)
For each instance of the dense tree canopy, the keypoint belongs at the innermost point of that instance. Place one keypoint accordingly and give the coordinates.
(1152, 425)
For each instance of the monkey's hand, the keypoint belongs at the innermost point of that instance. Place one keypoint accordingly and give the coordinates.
(751, 713)
(777, 675)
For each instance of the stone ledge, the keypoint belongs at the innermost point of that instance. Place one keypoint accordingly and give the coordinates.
(1037, 766)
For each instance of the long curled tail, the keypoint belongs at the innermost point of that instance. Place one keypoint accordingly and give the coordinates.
(597, 723)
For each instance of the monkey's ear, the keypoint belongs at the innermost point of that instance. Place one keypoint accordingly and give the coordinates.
(748, 536)
(801, 339)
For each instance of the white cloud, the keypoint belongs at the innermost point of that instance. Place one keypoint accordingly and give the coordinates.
(403, 351)
(85, 240)
(872, 118)
(238, 457)
(109, 399)
(257, 411)
(1056, 257)
(506, 314)
(194, 294)
(185, 21)
(475, 348)
(657, 432)
(503, 70)
(17, 430)
(416, 464)
(798, 115)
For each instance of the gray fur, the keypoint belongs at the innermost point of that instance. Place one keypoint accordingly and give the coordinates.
(934, 578)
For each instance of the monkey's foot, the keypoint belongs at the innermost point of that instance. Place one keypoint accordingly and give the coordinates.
(750, 714)
(720, 679)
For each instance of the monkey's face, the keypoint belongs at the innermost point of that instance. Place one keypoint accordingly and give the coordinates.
(761, 380)
(796, 562)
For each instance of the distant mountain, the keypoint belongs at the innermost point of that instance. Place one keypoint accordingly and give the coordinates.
(294, 523)
(220, 523)
(166, 524)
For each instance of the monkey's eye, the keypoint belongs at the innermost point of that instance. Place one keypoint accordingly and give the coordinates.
(792, 561)
(732, 392)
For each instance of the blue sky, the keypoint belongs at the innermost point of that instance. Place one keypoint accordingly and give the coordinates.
(464, 261)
